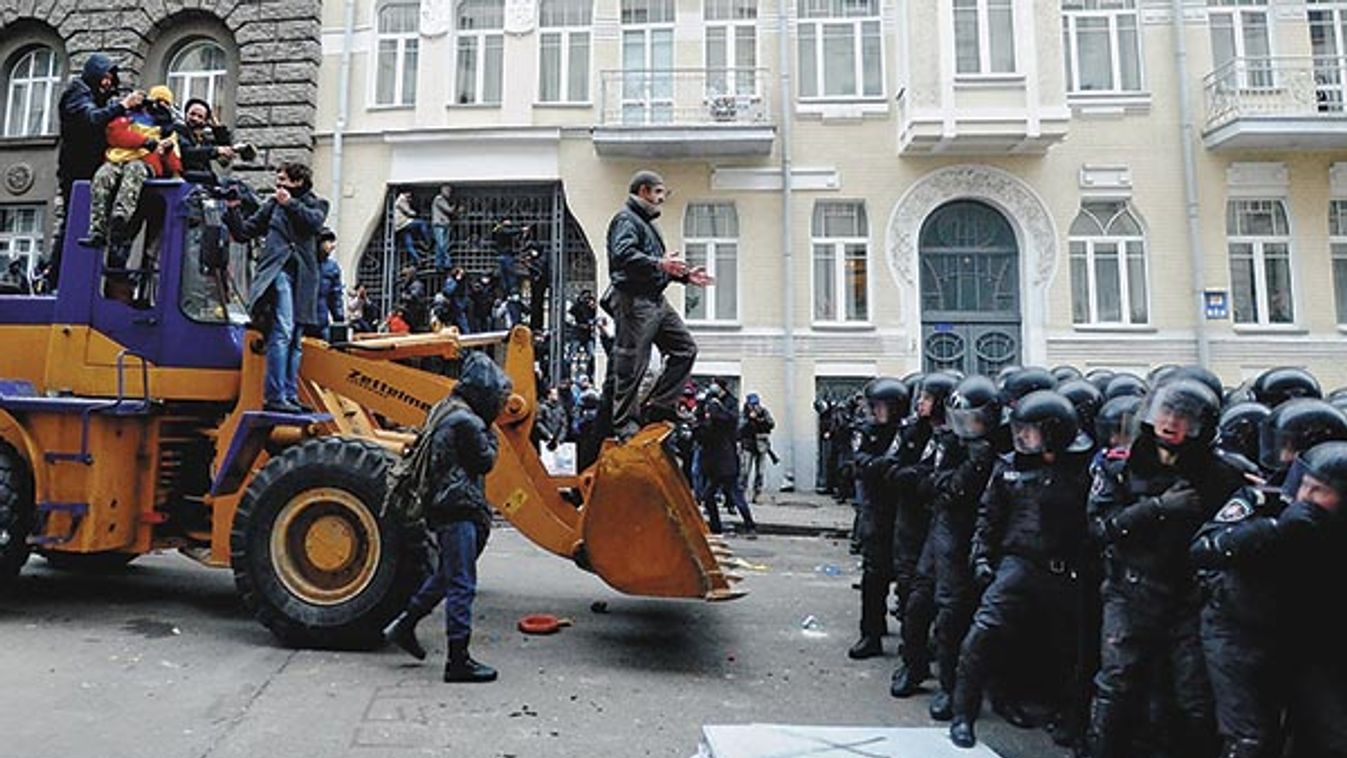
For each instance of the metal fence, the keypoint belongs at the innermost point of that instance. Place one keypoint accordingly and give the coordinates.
(684, 97)
(1270, 86)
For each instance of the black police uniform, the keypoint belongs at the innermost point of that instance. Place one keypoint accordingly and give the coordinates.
(1150, 600)
(876, 523)
(1031, 527)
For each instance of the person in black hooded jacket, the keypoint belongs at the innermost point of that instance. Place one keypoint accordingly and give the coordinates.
(462, 451)
(86, 107)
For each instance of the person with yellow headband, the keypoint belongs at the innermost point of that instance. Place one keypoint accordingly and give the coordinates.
(142, 144)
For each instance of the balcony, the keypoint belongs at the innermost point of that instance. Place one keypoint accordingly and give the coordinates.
(684, 113)
(1282, 103)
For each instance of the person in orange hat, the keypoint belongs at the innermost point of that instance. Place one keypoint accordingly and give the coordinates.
(142, 143)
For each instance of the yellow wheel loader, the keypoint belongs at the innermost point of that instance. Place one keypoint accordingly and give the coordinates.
(131, 420)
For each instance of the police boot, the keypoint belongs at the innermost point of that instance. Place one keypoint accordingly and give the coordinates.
(462, 668)
(868, 646)
(402, 632)
(942, 706)
(1012, 711)
(907, 678)
(961, 733)
(1107, 736)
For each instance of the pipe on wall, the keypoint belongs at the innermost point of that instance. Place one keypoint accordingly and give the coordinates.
(1187, 140)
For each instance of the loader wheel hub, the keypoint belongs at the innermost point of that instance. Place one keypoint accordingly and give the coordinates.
(325, 546)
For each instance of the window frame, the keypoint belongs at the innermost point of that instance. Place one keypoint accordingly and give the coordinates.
(985, 66)
(649, 103)
(564, 63)
(1258, 255)
(730, 28)
(34, 236)
(711, 294)
(839, 265)
(1120, 242)
(819, 23)
(1071, 48)
(216, 79)
(400, 53)
(1237, 10)
(482, 37)
(1337, 251)
(52, 82)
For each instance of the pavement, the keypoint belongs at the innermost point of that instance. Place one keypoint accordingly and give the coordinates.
(161, 660)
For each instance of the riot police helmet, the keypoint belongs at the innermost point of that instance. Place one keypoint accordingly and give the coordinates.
(1296, 426)
(1238, 428)
(1025, 381)
(973, 409)
(891, 393)
(937, 386)
(1045, 422)
(1099, 377)
(1125, 384)
(1180, 413)
(1322, 467)
(1338, 399)
(913, 383)
(1199, 374)
(1085, 399)
(1065, 373)
(1115, 424)
(1278, 385)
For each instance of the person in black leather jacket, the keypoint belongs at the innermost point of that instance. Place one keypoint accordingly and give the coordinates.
(1030, 530)
(1145, 516)
(462, 451)
(639, 269)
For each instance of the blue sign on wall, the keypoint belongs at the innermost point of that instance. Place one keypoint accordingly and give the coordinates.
(1217, 304)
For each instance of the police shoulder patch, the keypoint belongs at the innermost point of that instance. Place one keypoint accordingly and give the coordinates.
(1235, 510)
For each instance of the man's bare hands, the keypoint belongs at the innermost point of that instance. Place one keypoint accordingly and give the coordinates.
(699, 277)
(282, 195)
(133, 100)
(672, 265)
(225, 151)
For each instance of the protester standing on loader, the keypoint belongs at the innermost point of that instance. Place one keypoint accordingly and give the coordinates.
(286, 283)
(639, 269)
(462, 451)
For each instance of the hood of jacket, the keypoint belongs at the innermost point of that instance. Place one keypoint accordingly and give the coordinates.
(95, 68)
(483, 386)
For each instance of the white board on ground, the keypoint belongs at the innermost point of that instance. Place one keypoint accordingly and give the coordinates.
(795, 741)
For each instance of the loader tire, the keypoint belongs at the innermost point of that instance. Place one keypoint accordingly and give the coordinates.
(16, 512)
(312, 559)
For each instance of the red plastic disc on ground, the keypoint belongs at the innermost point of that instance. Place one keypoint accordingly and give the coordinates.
(540, 623)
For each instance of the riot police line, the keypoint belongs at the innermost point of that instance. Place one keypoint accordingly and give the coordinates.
(1142, 566)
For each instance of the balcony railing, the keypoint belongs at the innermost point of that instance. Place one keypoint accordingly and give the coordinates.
(1297, 88)
(685, 97)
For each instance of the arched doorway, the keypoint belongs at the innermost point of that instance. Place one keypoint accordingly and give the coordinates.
(970, 289)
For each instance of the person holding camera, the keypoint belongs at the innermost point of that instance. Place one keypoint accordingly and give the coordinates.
(755, 442)
(284, 290)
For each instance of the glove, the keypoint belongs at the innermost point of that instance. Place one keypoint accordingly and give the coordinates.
(1179, 499)
(983, 572)
(1302, 515)
(1237, 541)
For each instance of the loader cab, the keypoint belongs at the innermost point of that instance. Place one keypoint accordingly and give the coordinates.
(174, 297)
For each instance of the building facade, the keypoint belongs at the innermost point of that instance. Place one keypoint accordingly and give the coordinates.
(255, 62)
(972, 183)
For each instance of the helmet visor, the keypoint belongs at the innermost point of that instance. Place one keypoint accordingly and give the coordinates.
(1174, 414)
(1028, 437)
(1278, 448)
(970, 423)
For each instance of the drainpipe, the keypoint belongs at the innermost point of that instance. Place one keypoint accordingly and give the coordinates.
(343, 114)
(787, 241)
(1187, 141)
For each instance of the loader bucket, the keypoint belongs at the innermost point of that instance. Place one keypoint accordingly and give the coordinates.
(643, 533)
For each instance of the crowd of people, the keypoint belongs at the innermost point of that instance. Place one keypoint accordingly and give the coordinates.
(1143, 566)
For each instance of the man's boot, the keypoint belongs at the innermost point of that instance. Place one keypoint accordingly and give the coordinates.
(961, 733)
(942, 706)
(907, 678)
(402, 632)
(868, 646)
(974, 666)
(462, 668)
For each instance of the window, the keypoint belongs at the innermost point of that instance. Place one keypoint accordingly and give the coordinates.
(984, 36)
(841, 50)
(1102, 45)
(563, 52)
(1328, 43)
(647, 61)
(1259, 240)
(1240, 47)
(20, 236)
(34, 81)
(1337, 244)
(841, 245)
(199, 69)
(399, 47)
(481, 51)
(1108, 266)
(731, 46)
(711, 239)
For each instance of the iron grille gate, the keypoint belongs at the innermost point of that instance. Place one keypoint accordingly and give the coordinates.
(970, 293)
(481, 206)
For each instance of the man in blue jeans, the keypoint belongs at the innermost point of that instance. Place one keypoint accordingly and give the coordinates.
(462, 452)
(285, 285)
